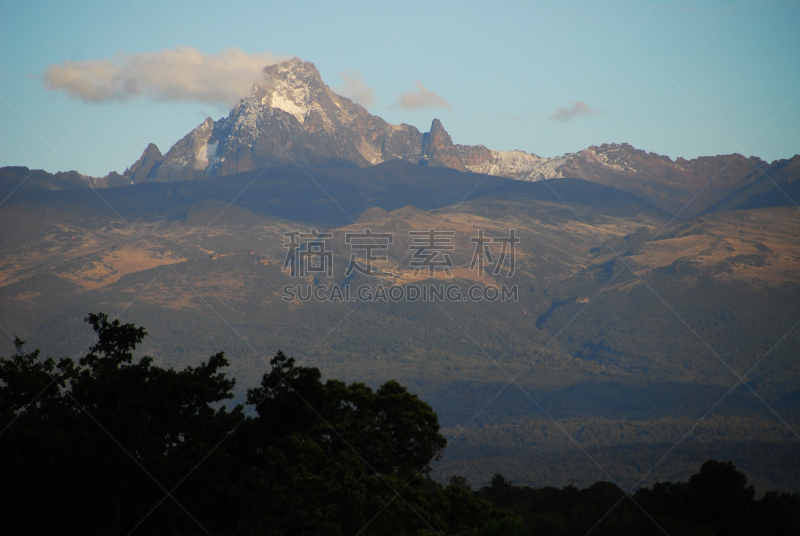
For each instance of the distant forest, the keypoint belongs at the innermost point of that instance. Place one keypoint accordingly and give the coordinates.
(109, 444)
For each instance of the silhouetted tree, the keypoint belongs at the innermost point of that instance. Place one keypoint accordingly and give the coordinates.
(106, 436)
(112, 444)
(719, 497)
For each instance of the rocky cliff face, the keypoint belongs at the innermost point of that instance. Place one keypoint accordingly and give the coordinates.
(147, 165)
(512, 164)
(188, 158)
(685, 186)
(438, 148)
(293, 117)
(473, 155)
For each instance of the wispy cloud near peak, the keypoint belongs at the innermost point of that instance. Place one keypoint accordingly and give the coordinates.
(420, 99)
(355, 89)
(185, 74)
(577, 108)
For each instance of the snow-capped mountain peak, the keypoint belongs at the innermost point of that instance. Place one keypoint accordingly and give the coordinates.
(292, 116)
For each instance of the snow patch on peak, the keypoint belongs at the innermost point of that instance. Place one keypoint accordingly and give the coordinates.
(207, 152)
(512, 164)
(605, 161)
(242, 123)
(602, 157)
(282, 102)
(550, 168)
(214, 161)
(293, 87)
(523, 166)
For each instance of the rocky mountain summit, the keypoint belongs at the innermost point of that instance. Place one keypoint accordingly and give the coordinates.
(681, 186)
(292, 117)
(149, 162)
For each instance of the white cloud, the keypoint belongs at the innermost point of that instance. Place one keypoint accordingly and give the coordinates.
(355, 89)
(577, 108)
(422, 98)
(185, 74)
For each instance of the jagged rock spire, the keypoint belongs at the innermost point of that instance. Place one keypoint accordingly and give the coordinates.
(293, 117)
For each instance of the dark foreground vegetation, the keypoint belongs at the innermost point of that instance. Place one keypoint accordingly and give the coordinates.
(715, 501)
(114, 445)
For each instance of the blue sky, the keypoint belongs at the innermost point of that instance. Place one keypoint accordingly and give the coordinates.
(676, 78)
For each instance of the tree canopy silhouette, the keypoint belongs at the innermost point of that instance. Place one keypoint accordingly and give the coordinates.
(113, 444)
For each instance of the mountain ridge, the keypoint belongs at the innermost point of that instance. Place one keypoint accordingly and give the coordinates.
(292, 117)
